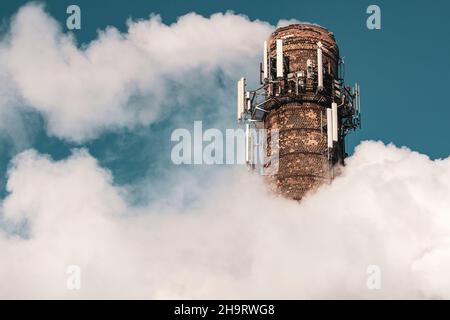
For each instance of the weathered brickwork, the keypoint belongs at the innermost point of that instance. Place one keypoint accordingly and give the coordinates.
(303, 154)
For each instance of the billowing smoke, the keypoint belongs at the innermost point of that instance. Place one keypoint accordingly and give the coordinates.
(122, 79)
(390, 208)
(389, 211)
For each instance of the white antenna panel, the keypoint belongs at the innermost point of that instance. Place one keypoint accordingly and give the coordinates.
(265, 65)
(308, 68)
(334, 116)
(248, 101)
(248, 144)
(240, 98)
(319, 66)
(329, 128)
(358, 98)
(280, 66)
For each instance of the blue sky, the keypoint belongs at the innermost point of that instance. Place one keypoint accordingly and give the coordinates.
(402, 70)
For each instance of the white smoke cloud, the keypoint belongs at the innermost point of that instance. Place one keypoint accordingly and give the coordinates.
(122, 79)
(389, 208)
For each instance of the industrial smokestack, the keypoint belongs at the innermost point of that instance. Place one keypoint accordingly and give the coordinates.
(307, 102)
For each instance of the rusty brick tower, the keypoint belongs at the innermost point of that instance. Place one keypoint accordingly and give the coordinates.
(303, 102)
